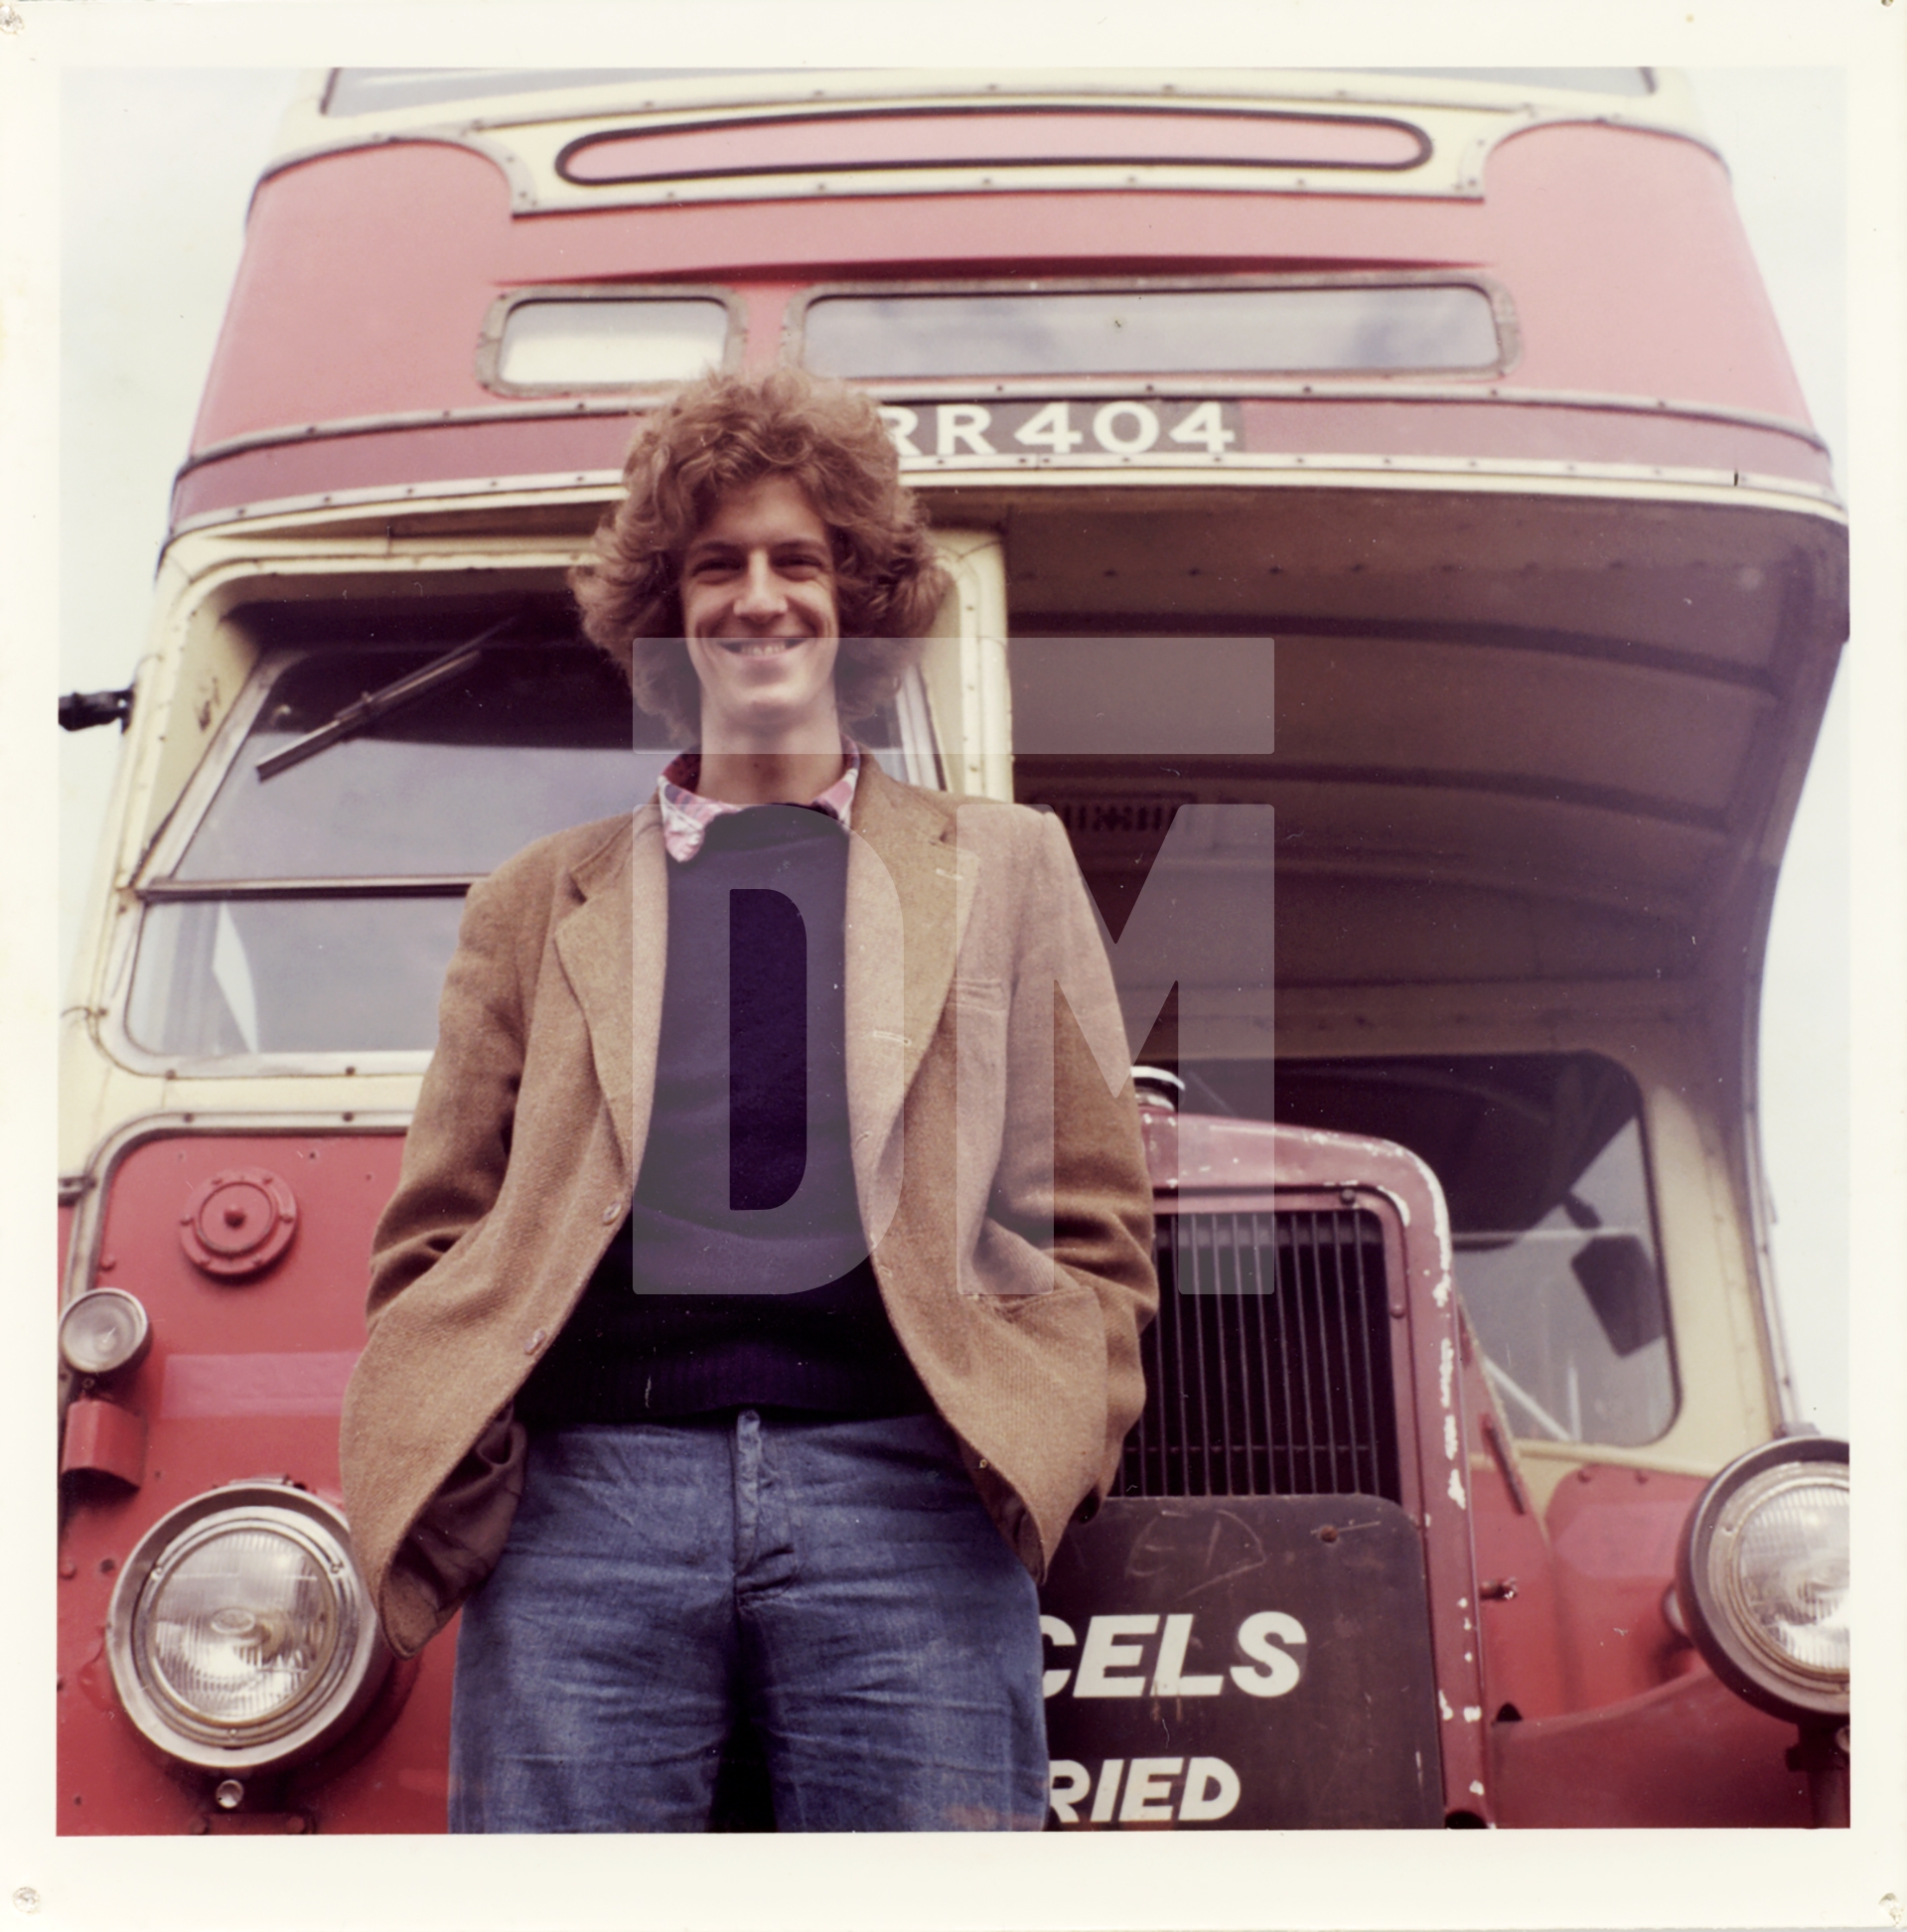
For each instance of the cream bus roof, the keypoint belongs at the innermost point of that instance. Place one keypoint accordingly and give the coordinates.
(529, 121)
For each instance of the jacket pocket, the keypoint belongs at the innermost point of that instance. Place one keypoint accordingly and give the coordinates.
(457, 1537)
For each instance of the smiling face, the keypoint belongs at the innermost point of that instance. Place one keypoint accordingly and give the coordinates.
(758, 614)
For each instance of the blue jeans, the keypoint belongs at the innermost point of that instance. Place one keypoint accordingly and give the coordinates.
(837, 1584)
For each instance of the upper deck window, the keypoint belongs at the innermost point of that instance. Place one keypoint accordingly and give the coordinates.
(1575, 80)
(1402, 326)
(1001, 137)
(594, 342)
(378, 91)
(372, 90)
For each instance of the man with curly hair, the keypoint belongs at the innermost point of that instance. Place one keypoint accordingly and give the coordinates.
(760, 1298)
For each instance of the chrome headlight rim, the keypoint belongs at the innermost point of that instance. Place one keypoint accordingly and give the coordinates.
(321, 1714)
(1712, 1601)
(140, 1326)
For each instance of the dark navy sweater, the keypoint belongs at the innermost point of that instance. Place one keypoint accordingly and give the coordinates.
(741, 1276)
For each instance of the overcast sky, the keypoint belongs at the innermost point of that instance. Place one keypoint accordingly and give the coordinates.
(157, 164)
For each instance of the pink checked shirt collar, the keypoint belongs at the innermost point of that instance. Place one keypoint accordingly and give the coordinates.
(688, 816)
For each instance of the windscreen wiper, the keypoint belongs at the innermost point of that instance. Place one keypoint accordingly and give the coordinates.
(381, 703)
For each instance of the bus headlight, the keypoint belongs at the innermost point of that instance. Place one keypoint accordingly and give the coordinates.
(1762, 1578)
(240, 1633)
(103, 1331)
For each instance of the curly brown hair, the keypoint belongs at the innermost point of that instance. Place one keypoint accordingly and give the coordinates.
(719, 434)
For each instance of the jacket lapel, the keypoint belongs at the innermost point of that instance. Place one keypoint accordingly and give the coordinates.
(909, 890)
(614, 949)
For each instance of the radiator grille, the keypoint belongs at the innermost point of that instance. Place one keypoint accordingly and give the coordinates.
(1269, 1369)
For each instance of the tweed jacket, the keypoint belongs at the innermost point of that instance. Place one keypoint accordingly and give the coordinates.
(998, 1161)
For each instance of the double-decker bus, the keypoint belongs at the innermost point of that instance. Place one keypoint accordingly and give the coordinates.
(1386, 531)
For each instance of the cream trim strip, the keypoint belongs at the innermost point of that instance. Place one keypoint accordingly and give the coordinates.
(631, 402)
(1491, 475)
